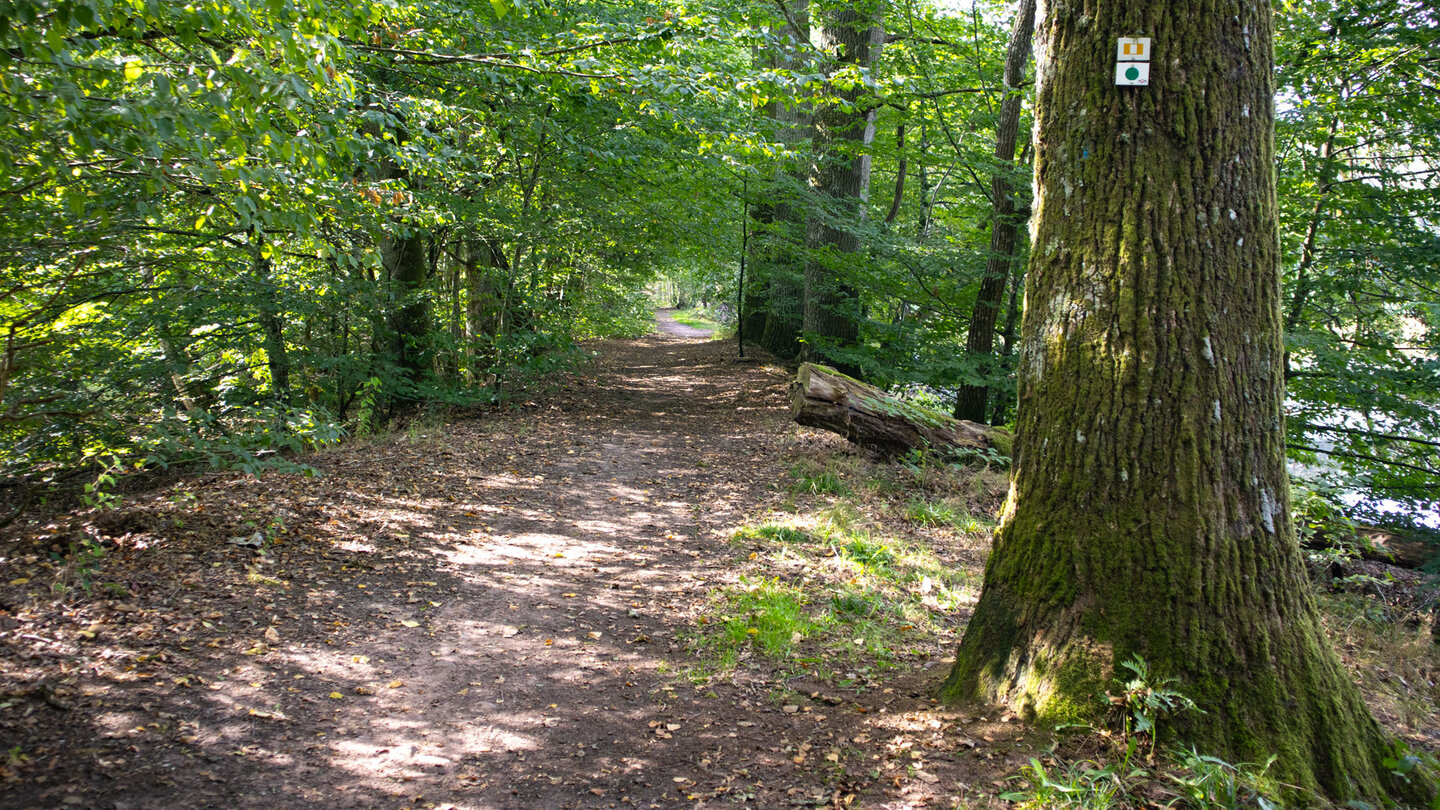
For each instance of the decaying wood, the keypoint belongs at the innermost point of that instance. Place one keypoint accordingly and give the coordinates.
(824, 398)
(1379, 544)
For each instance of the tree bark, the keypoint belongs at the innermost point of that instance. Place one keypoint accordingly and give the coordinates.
(1150, 511)
(971, 399)
(277, 359)
(823, 398)
(403, 256)
(778, 267)
(409, 323)
(844, 130)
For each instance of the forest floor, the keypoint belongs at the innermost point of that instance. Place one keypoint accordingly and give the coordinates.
(496, 612)
(577, 602)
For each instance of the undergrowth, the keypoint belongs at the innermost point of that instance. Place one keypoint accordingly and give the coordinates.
(867, 566)
(854, 576)
(1129, 772)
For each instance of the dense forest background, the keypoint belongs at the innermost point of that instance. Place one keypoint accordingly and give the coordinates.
(233, 228)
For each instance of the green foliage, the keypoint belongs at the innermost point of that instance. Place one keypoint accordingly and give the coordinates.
(1147, 699)
(1205, 781)
(99, 493)
(1409, 764)
(1358, 175)
(225, 214)
(1195, 781)
(81, 566)
(232, 226)
(1083, 785)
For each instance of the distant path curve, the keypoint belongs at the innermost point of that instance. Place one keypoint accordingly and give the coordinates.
(665, 321)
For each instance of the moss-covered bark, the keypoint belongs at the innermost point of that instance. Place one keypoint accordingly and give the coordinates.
(1149, 509)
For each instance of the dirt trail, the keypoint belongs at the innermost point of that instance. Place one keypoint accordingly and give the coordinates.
(666, 323)
(479, 615)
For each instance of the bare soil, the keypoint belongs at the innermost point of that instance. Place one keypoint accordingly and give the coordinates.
(486, 613)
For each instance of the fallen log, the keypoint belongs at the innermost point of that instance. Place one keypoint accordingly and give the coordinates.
(1378, 544)
(822, 397)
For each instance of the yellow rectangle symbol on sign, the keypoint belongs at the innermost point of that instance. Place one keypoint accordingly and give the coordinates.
(1133, 49)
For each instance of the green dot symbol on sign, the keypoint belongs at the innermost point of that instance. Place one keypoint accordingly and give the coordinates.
(1132, 73)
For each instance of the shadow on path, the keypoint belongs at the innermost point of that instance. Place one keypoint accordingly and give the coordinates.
(483, 614)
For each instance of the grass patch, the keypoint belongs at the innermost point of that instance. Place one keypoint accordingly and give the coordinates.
(935, 513)
(814, 477)
(868, 552)
(766, 617)
(816, 482)
(836, 595)
(866, 569)
(771, 532)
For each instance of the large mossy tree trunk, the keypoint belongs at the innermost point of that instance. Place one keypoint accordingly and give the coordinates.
(1149, 511)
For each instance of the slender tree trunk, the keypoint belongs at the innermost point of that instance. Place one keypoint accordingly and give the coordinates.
(277, 358)
(1000, 407)
(1149, 511)
(474, 302)
(188, 392)
(971, 399)
(756, 304)
(457, 320)
(176, 358)
(744, 256)
(899, 197)
(1304, 284)
(925, 220)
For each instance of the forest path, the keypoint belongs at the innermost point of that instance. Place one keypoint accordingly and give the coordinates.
(666, 323)
(484, 614)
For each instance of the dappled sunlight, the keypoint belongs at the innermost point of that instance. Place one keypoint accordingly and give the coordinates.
(495, 617)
